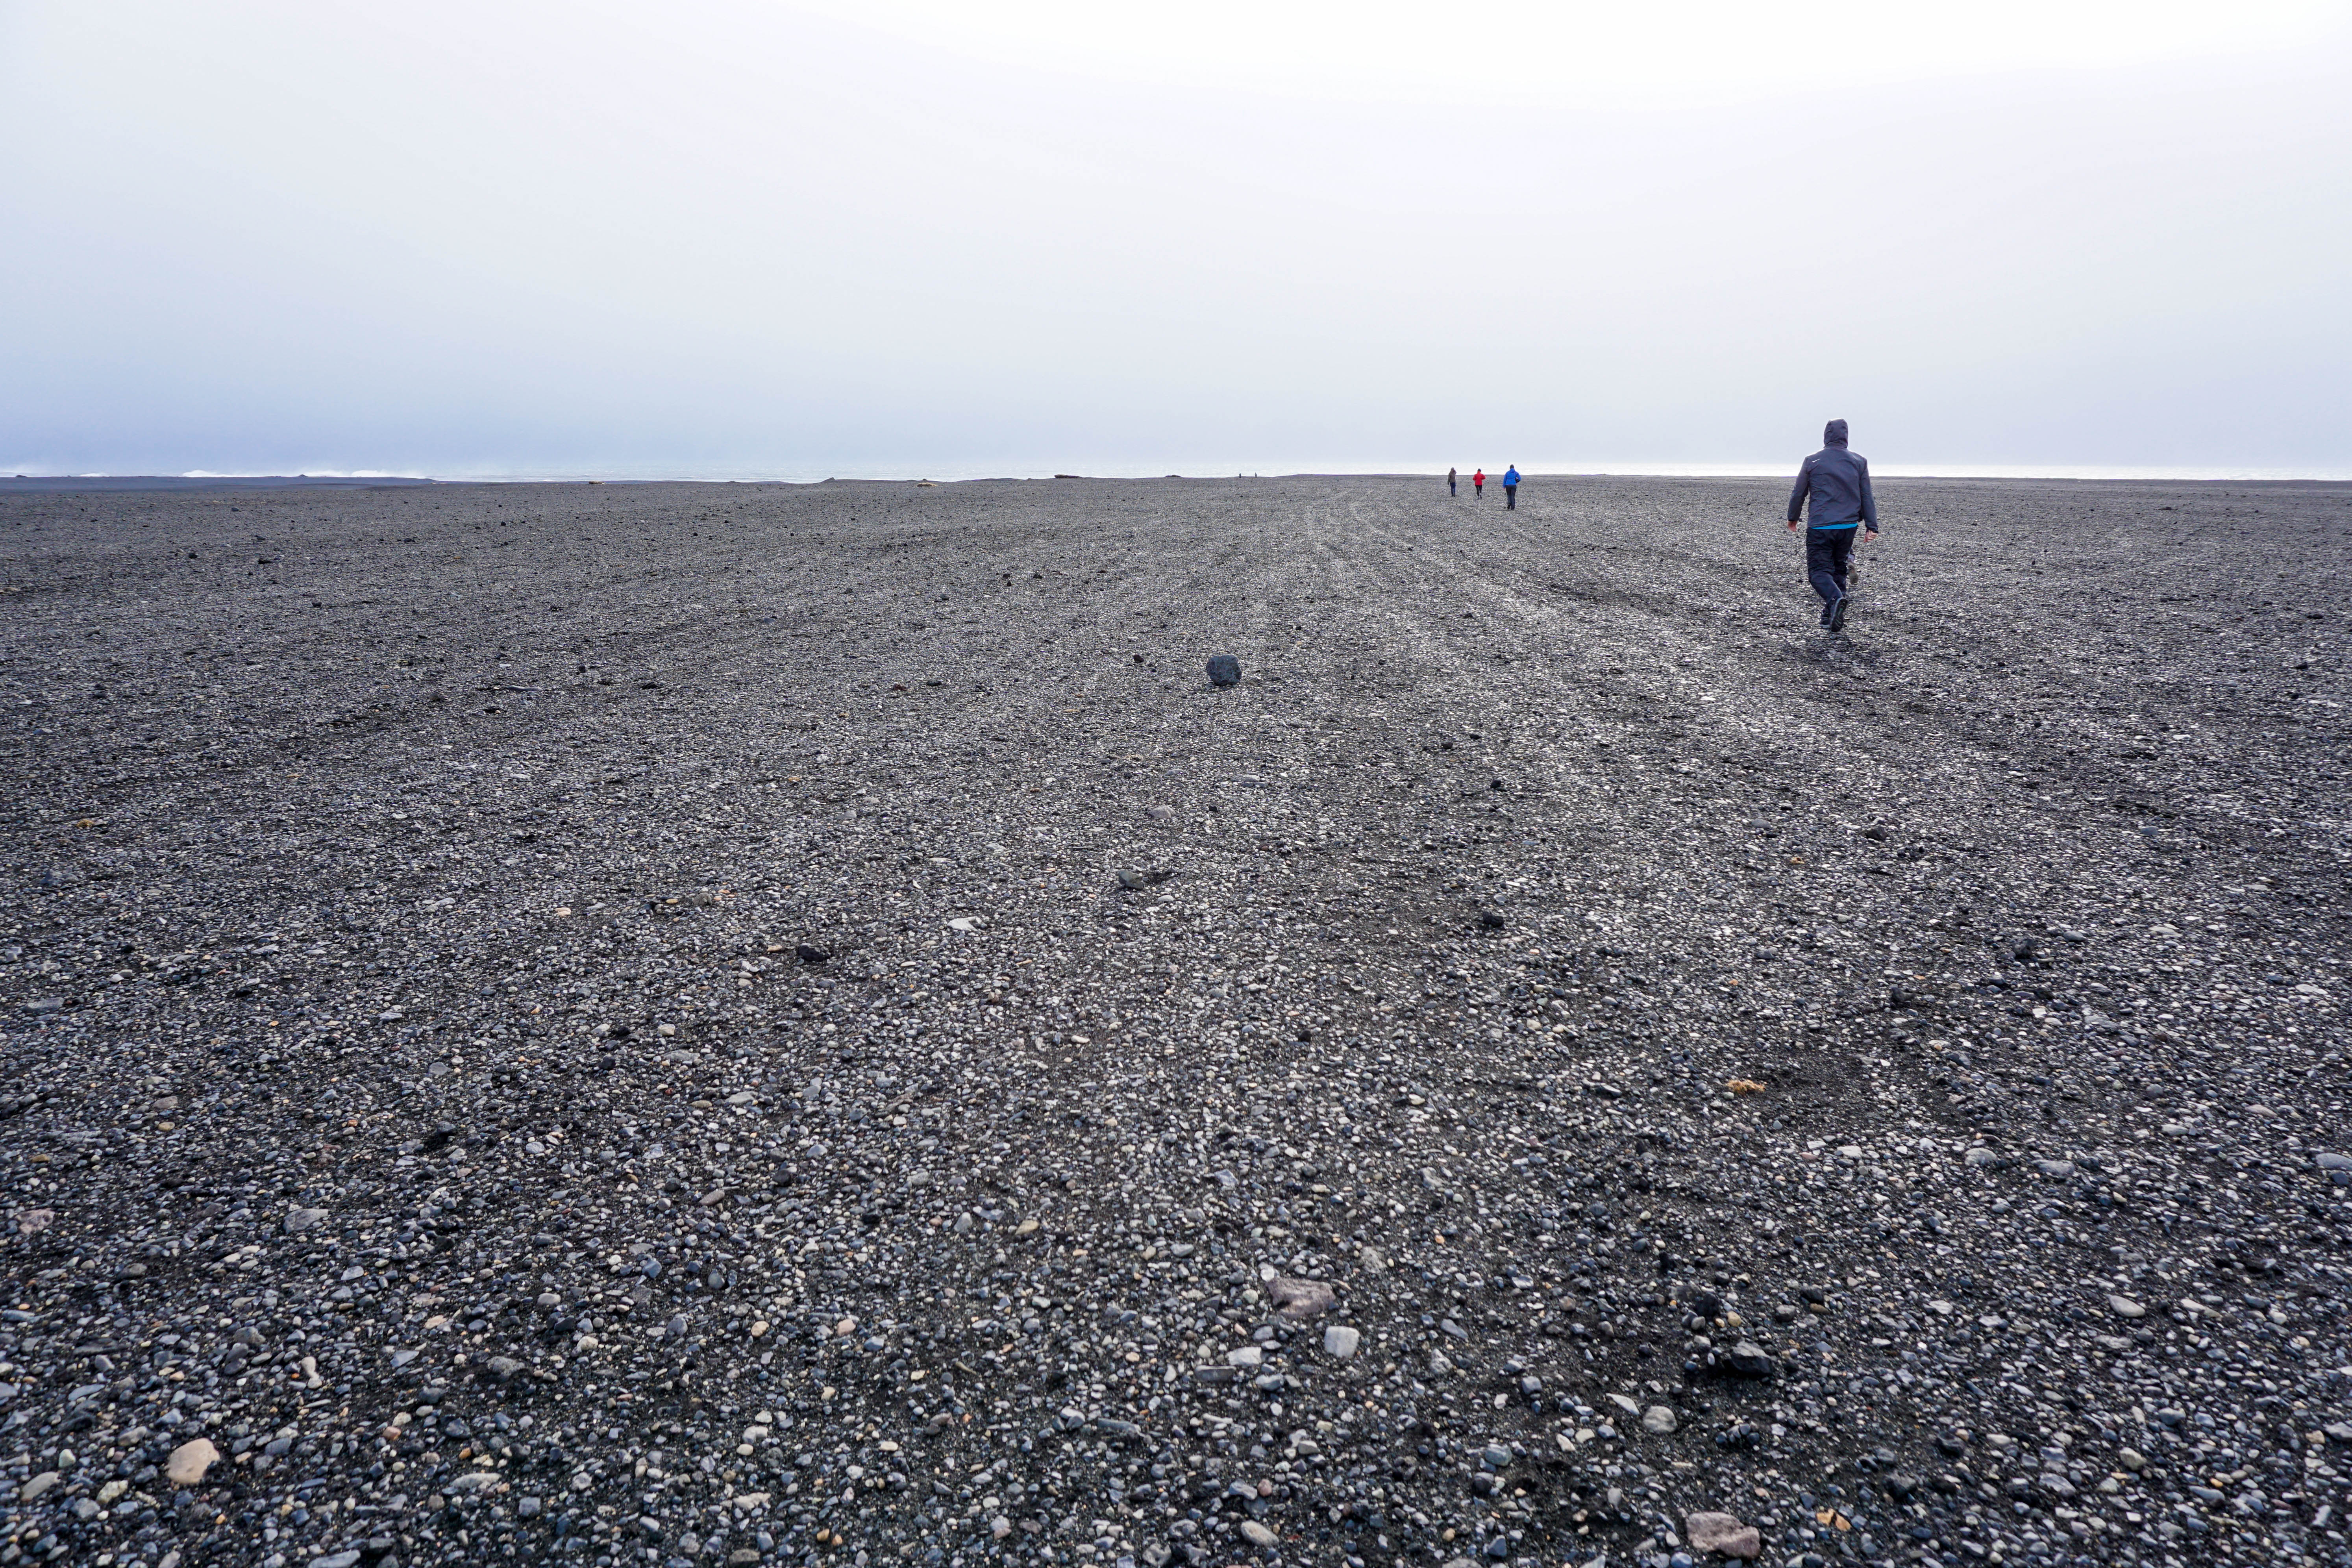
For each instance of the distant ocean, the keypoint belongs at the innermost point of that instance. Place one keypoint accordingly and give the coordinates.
(965, 472)
(1205, 470)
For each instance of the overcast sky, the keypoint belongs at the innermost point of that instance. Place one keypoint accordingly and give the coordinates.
(951, 236)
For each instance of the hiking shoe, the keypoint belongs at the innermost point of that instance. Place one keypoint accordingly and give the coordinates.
(1837, 614)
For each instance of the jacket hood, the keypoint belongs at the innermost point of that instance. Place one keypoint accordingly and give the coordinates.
(1833, 433)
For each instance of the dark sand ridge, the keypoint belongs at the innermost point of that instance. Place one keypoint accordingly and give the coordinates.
(415, 1087)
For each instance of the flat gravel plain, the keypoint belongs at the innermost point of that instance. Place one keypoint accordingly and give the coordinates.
(742, 1023)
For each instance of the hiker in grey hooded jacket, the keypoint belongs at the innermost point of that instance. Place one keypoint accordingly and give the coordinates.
(1834, 483)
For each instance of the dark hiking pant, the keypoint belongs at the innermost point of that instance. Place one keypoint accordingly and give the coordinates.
(1510, 497)
(1827, 553)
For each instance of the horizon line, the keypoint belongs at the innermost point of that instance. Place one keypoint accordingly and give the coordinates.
(963, 474)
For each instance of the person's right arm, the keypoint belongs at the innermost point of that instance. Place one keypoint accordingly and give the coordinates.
(1804, 487)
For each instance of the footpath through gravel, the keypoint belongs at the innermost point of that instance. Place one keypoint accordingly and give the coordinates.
(729, 1024)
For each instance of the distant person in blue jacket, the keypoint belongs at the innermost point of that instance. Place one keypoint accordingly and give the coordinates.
(1837, 484)
(1511, 488)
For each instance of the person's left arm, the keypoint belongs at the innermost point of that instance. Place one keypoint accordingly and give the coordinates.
(1869, 501)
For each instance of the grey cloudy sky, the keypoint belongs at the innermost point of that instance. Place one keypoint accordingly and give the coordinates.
(909, 235)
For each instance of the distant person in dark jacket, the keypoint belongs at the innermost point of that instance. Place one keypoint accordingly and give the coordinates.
(1450, 489)
(1511, 488)
(1836, 483)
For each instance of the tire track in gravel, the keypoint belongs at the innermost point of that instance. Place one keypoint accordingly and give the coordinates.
(1784, 716)
(1574, 797)
(1577, 663)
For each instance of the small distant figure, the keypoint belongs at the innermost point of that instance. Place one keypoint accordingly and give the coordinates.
(1836, 483)
(1511, 488)
(1451, 488)
(1478, 484)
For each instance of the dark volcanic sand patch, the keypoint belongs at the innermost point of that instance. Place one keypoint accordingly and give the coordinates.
(414, 1084)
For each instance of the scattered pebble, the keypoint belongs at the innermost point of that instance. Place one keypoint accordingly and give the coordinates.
(1722, 1532)
(189, 1461)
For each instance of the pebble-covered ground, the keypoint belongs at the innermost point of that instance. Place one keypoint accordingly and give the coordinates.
(728, 1023)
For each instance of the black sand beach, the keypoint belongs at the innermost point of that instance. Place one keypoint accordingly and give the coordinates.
(744, 1024)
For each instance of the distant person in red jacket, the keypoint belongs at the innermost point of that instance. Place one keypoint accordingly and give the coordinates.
(1478, 484)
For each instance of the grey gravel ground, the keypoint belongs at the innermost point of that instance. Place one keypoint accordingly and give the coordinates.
(744, 1024)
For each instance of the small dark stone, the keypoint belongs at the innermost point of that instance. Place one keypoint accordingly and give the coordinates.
(1224, 671)
(808, 952)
